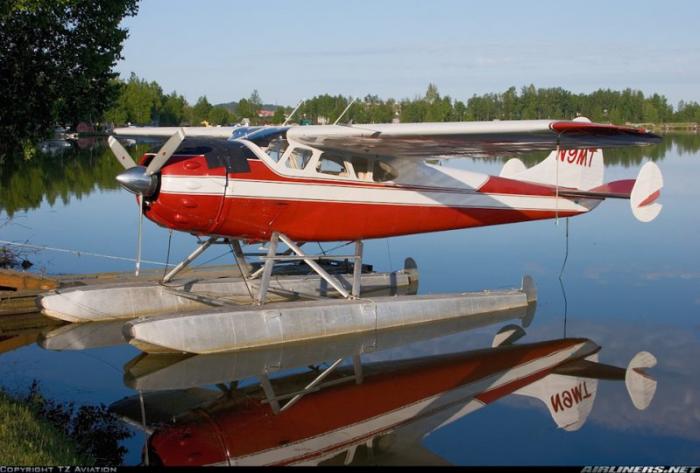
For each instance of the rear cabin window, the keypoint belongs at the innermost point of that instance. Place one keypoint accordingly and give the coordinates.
(383, 172)
(333, 165)
(299, 158)
(363, 168)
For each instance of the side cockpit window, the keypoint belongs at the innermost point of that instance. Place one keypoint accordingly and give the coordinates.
(299, 158)
(276, 148)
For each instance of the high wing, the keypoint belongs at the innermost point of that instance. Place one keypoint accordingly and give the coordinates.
(167, 131)
(467, 139)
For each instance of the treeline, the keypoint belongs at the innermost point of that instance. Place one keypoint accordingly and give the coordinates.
(144, 103)
(627, 106)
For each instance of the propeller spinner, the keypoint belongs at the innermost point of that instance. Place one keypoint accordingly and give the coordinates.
(142, 180)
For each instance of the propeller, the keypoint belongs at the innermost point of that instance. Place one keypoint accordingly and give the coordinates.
(141, 180)
(165, 152)
(122, 155)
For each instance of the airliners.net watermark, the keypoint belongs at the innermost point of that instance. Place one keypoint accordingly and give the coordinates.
(639, 469)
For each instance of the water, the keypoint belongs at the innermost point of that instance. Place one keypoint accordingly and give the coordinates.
(627, 286)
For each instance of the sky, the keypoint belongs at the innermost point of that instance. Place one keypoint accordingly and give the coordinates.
(289, 50)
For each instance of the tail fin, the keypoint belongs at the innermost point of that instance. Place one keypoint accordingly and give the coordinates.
(573, 168)
(569, 399)
(578, 173)
(569, 392)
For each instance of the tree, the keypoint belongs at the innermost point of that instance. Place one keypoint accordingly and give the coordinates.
(279, 116)
(200, 111)
(56, 60)
(249, 108)
(219, 116)
(174, 110)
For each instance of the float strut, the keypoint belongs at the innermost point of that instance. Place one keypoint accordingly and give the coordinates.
(184, 263)
(314, 265)
(267, 269)
(357, 270)
(243, 265)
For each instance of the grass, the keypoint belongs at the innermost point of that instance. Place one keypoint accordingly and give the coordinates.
(27, 439)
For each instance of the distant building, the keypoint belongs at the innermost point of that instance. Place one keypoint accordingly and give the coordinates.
(265, 113)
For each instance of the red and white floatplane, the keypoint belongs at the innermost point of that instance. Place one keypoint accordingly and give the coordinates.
(288, 185)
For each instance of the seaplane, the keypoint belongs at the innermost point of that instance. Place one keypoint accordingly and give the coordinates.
(290, 185)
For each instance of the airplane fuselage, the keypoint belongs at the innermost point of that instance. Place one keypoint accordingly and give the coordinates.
(252, 195)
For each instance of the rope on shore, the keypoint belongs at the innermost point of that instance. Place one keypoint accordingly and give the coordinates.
(77, 252)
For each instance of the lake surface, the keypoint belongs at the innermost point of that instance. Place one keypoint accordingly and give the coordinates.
(627, 287)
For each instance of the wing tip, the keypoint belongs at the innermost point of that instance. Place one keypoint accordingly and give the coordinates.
(579, 126)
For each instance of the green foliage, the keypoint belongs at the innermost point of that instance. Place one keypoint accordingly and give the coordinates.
(93, 429)
(603, 105)
(25, 184)
(280, 116)
(200, 111)
(56, 60)
(688, 112)
(220, 116)
(139, 103)
(175, 110)
(26, 439)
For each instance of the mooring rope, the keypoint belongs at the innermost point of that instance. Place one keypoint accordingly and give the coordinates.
(561, 276)
(76, 252)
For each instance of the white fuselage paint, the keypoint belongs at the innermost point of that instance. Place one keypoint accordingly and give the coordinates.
(446, 188)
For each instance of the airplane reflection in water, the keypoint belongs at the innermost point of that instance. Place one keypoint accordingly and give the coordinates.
(354, 412)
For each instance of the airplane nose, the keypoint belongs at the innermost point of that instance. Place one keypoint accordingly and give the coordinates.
(137, 181)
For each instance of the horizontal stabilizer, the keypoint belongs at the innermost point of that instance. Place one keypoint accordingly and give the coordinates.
(507, 336)
(645, 192)
(640, 386)
(611, 190)
(642, 192)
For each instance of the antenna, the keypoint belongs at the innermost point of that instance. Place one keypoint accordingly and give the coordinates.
(301, 102)
(345, 111)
